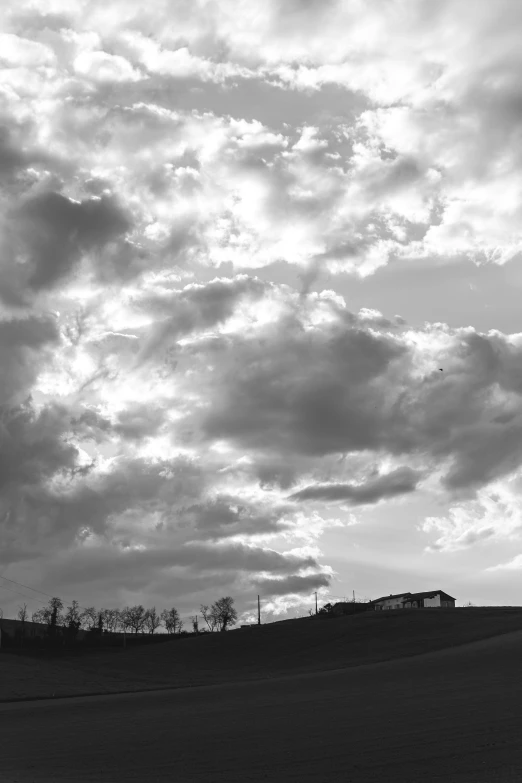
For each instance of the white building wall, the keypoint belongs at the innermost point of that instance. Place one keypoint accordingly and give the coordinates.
(391, 603)
(435, 601)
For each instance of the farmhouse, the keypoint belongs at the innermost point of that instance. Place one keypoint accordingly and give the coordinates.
(431, 598)
(414, 600)
(390, 601)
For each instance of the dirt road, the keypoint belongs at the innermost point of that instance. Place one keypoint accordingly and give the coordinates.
(451, 716)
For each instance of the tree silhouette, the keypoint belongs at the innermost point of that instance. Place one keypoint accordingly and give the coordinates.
(89, 617)
(224, 612)
(152, 620)
(73, 613)
(135, 617)
(171, 620)
(209, 617)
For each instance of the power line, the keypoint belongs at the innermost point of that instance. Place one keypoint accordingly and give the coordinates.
(30, 588)
(5, 587)
(26, 586)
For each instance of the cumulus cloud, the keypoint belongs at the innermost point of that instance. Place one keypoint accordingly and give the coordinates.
(494, 515)
(163, 424)
(47, 235)
(343, 386)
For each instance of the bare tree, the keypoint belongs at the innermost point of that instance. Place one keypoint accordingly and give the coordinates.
(72, 620)
(89, 617)
(135, 617)
(73, 613)
(111, 619)
(152, 620)
(171, 619)
(52, 614)
(123, 618)
(209, 617)
(224, 612)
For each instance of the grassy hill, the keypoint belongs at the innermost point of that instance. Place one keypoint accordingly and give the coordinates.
(304, 645)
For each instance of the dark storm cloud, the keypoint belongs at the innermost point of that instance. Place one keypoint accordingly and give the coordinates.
(398, 482)
(355, 384)
(311, 392)
(293, 584)
(23, 349)
(11, 158)
(43, 517)
(32, 448)
(49, 233)
(95, 563)
(229, 515)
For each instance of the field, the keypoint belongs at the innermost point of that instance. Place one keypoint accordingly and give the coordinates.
(277, 649)
(423, 696)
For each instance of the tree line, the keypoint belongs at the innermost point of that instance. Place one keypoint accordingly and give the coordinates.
(218, 617)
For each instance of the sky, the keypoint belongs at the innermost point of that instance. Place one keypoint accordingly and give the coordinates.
(260, 274)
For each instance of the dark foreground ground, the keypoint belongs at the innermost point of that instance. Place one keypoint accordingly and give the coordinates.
(297, 646)
(451, 716)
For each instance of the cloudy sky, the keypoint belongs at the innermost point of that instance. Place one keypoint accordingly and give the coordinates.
(260, 280)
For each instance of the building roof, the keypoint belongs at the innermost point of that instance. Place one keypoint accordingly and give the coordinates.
(429, 594)
(387, 597)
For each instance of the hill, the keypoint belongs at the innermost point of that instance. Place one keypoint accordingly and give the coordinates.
(306, 645)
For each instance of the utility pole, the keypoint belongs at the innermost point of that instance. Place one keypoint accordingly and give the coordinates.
(354, 596)
(316, 601)
(258, 611)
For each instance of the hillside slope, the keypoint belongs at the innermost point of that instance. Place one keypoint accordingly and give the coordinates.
(305, 645)
(449, 716)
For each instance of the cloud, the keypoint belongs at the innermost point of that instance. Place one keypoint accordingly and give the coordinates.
(225, 516)
(495, 514)
(31, 446)
(399, 482)
(95, 562)
(196, 307)
(512, 565)
(293, 584)
(413, 175)
(48, 235)
(346, 384)
(103, 67)
(148, 402)
(24, 346)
